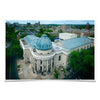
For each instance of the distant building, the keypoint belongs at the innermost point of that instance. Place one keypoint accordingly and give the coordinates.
(65, 36)
(28, 24)
(63, 27)
(87, 26)
(37, 24)
(16, 24)
(8, 24)
(18, 29)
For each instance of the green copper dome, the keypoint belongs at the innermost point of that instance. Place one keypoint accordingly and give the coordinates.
(44, 43)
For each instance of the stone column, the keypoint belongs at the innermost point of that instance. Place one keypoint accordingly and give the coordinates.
(42, 66)
(37, 65)
(34, 64)
(51, 65)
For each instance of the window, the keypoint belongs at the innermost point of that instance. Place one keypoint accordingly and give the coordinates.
(35, 66)
(59, 57)
(40, 61)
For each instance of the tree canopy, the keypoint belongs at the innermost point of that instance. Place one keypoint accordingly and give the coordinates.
(82, 63)
(11, 37)
(60, 31)
(56, 73)
(49, 35)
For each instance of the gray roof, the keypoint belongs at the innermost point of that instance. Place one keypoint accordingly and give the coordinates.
(43, 43)
(76, 42)
(31, 40)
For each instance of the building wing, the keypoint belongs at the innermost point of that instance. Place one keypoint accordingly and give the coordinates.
(76, 42)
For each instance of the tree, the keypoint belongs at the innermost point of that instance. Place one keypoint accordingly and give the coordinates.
(9, 33)
(8, 55)
(41, 30)
(49, 35)
(18, 51)
(49, 30)
(18, 66)
(23, 35)
(64, 70)
(60, 31)
(82, 63)
(92, 35)
(56, 73)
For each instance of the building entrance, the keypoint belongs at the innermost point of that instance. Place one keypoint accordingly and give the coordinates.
(40, 69)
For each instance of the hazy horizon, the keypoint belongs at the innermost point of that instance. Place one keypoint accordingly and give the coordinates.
(53, 21)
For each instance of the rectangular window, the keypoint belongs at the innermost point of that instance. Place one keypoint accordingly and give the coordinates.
(59, 57)
(40, 61)
(35, 66)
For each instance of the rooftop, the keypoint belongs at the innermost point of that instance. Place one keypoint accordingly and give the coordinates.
(67, 34)
(75, 42)
(44, 43)
(31, 40)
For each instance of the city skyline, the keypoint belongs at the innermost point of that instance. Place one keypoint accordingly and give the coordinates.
(53, 21)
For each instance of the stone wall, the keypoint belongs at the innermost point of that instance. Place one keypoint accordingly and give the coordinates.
(60, 60)
(44, 52)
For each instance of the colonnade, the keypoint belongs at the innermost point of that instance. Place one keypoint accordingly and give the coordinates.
(43, 65)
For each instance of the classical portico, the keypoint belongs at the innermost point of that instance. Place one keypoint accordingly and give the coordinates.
(45, 66)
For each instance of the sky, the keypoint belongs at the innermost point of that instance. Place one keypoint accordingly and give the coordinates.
(53, 21)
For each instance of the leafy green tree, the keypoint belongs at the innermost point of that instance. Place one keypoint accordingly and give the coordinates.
(14, 42)
(81, 26)
(49, 35)
(60, 31)
(41, 30)
(73, 27)
(23, 35)
(56, 73)
(9, 33)
(18, 66)
(82, 63)
(8, 55)
(49, 30)
(64, 70)
(92, 35)
(18, 51)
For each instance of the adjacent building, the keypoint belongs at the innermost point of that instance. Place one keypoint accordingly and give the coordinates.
(65, 36)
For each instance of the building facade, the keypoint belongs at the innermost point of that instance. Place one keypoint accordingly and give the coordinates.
(44, 55)
(65, 36)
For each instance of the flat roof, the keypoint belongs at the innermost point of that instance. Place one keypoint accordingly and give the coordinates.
(75, 42)
(68, 33)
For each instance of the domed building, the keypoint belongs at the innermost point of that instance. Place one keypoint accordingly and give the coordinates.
(44, 56)
(44, 45)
